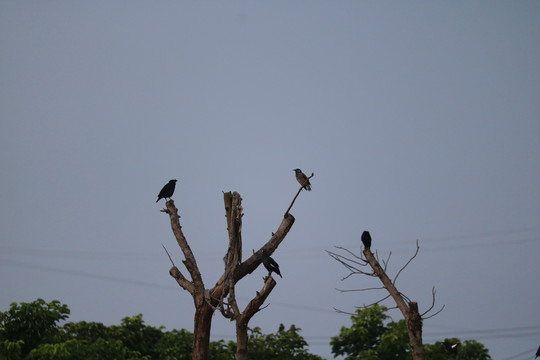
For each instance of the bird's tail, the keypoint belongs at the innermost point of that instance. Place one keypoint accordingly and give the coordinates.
(157, 200)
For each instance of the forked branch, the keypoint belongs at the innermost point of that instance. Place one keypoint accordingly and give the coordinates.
(408, 262)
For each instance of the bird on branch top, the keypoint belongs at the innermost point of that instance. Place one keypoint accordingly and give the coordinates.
(302, 179)
(167, 191)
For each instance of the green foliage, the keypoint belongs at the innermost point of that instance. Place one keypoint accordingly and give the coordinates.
(82, 350)
(32, 323)
(467, 350)
(11, 350)
(395, 342)
(30, 331)
(175, 345)
(370, 338)
(88, 331)
(137, 336)
(221, 351)
(282, 345)
(473, 350)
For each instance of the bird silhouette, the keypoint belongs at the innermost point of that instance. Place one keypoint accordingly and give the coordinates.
(537, 352)
(270, 264)
(167, 191)
(302, 179)
(366, 239)
(451, 348)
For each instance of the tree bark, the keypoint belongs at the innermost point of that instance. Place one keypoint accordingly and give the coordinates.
(241, 341)
(242, 319)
(414, 328)
(409, 311)
(201, 332)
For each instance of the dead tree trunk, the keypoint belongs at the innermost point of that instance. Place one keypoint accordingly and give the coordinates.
(201, 331)
(242, 318)
(409, 310)
(208, 300)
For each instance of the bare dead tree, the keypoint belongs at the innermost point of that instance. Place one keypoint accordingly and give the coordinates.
(357, 265)
(206, 301)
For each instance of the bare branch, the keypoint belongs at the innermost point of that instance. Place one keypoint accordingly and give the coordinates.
(298, 193)
(254, 305)
(432, 315)
(232, 300)
(433, 292)
(190, 262)
(343, 312)
(349, 267)
(385, 263)
(386, 281)
(164, 248)
(250, 264)
(364, 289)
(376, 302)
(264, 307)
(408, 262)
(181, 280)
(348, 251)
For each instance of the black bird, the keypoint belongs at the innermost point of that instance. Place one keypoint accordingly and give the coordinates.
(167, 190)
(451, 348)
(270, 264)
(537, 352)
(302, 178)
(366, 239)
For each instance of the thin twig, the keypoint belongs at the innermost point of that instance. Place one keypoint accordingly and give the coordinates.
(170, 258)
(408, 262)
(432, 315)
(364, 289)
(385, 263)
(405, 297)
(343, 312)
(347, 265)
(362, 260)
(376, 302)
(433, 293)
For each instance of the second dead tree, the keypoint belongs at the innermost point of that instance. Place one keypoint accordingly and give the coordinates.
(408, 308)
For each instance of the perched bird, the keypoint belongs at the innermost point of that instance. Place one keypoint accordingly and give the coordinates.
(302, 179)
(537, 352)
(451, 348)
(270, 264)
(366, 239)
(167, 190)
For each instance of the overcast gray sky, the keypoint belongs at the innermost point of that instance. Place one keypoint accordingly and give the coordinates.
(420, 120)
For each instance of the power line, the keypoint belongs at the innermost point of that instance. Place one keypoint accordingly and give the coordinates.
(491, 331)
(144, 283)
(476, 333)
(315, 251)
(531, 351)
